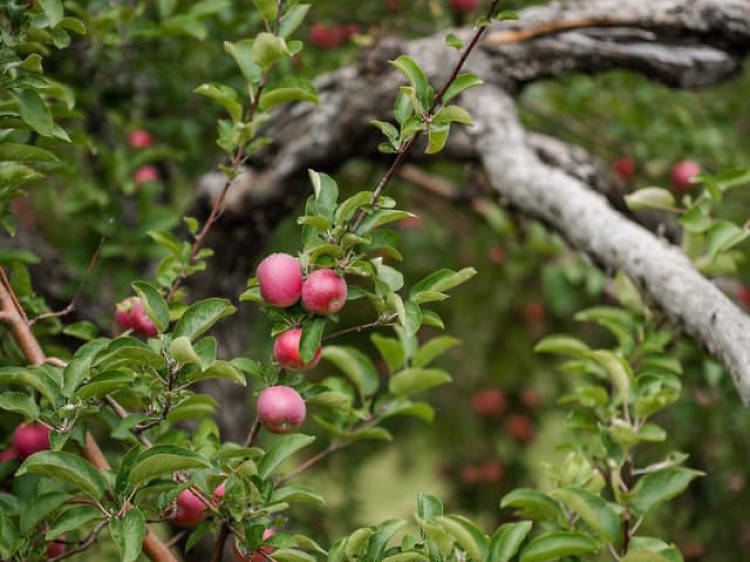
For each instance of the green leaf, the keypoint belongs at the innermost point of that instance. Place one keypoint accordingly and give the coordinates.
(411, 381)
(657, 487)
(650, 198)
(293, 19)
(83, 330)
(21, 403)
(32, 377)
(507, 540)
(104, 383)
(268, 49)
(312, 333)
(161, 460)
(282, 448)
(326, 192)
(153, 303)
(128, 533)
(431, 318)
(297, 494)
(68, 468)
(268, 9)
(16, 152)
(416, 76)
(72, 520)
(356, 365)
(618, 370)
(381, 217)
(432, 349)
(558, 544)
(592, 509)
(182, 351)
(53, 9)
(36, 511)
(224, 95)
(411, 556)
(452, 41)
(292, 555)
(201, 316)
(34, 111)
(391, 351)
(346, 210)
(289, 90)
(437, 137)
(533, 504)
(381, 537)
(452, 113)
(643, 555)
(357, 542)
(442, 280)
(562, 345)
(242, 53)
(460, 84)
(471, 539)
(723, 236)
(372, 434)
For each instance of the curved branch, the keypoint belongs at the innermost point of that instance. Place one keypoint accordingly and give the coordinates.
(588, 222)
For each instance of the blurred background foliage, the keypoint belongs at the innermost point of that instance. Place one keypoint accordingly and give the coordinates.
(499, 422)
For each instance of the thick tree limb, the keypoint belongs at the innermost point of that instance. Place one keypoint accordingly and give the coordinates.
(590, 224)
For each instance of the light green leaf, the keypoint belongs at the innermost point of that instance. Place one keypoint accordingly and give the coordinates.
(471, 539)
(533, 504)
(289, 90)
(34, 111)
(268, 49)
(650, 198)
(312, 333)
(268, 9)
(201, 316)
(723, 236)
(153, 303)
(53, 9)
(460, 84)
(72, 520)
(657, 487)
(411, 381)
(562, 345)
(182, 351)
(592, 509)
(68, 468)
(356, 365)
(507, 540)
(558, 544)
(127, 533)
(416, 76)
(242, 53)
(161, 460)
(293, 19)
(21, 403)
(16, 152)
(432, 349)
(297, 494)
(452, 113)
(282, 448)
(224, 95)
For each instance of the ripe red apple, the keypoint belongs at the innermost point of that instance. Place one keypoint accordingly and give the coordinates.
(140, 138)
(280, 280)
(55, 548)
(324, 37)
(190, 510)
(324, 292)
(682, 173)
(255, 556)
(286, 351)
(520, 427)
(530, 398)
(624, 167)
(743, 294)
(281, 409)
(130, 314)
(30, 438)
(219, 493)
(346, 31)
(491, 471)
(489, 402)
(469, 474)
(146, 174)
(464, 6)
(8, 455)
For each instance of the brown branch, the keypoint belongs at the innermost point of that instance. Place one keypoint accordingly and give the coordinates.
(84, 544)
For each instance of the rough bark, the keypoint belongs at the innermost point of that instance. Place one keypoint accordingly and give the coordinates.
(682, 43)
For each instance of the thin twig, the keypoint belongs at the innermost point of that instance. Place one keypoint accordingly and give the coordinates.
(382, 321)
(253, 432)
(436, 102)
(83, 545)
(89, 270)
(335, 446)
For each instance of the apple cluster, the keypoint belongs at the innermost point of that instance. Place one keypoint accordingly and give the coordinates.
(681, 175)
(281, 408)
(131, 315)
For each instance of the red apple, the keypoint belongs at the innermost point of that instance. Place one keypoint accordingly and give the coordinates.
(520, 427)
(280, 280)
(324, 292)
(55, 548)
(256, 556)
(491, 471)
(346, 31)
(190, 510)
(743, 294)
(219, 493)
(464, 6)
(682, 174)
(30, 438)
(286, 351)
(146, 174)
(130, 314)
(324, 37)
(281, 409)
(489, 402)
(8, 455)
(624, 167)
(140, 138)
(469, 474)
(530, 398)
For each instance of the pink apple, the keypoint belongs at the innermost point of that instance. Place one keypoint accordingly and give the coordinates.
(281, 409)
(30, 438)
(190, 510)
(464, 6)
(489, 402)
(324, 37)
(520, 427)
(255, 556)
(219, 493)
(146, 174)
(140, 138)
(682, 173)
(286, 351)
(130, 314)
(55, 548)
(624, 167)
(324, 292)
(280, 280)
(8, 455)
